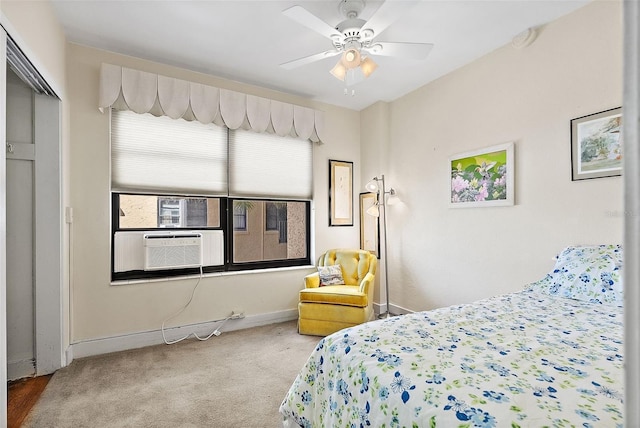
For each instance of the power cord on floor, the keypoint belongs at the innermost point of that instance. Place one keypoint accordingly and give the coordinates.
(215, 332)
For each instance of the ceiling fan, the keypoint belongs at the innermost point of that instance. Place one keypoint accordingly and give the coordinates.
(356, 39)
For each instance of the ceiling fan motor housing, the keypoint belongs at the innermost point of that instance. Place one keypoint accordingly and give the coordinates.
(351, 8)
(351, 27)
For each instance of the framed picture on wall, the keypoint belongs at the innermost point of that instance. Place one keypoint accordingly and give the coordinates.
(369, 225)
(596, 145)
(340, 193)
(482, 178)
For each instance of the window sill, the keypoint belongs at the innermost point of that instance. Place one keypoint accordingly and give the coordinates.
(212, 275)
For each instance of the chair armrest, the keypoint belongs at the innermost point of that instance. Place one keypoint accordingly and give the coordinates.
(312, 280)
(366, 283)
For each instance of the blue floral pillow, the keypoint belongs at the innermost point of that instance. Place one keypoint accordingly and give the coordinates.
(592, 273)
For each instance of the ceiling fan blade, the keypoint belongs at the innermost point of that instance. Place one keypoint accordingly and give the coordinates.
(387, 14)
(309, 20)
(309, 59)
(401, 49)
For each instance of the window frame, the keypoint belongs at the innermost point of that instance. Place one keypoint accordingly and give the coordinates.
(269, 264)
(163, 273)
(226, 225)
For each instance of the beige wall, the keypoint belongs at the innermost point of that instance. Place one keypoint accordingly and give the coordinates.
(104, 310)
(440, 256)
(374, 156)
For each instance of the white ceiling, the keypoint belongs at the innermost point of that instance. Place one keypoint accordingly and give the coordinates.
(246, 40)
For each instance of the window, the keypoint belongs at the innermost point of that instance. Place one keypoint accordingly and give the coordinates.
(259, 243)
(239, 216)
(247, 194)
(155, 211)
(277, 219)
(170, 212)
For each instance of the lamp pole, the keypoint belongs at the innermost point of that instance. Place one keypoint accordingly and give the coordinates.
(387, 314)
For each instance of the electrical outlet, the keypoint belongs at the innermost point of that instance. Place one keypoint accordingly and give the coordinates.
(236, 314)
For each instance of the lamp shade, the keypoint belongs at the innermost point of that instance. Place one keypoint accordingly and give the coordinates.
(392, 199)
(339, 71)
(368, 66)
(374, 210)
(372, 186)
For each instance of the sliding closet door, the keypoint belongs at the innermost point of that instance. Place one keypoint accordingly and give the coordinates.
(20, 157)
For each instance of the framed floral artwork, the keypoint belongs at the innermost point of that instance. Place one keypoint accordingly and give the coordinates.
(482, 178)
(596, 145)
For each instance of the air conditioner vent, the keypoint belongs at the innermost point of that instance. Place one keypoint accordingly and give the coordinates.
(172, 251)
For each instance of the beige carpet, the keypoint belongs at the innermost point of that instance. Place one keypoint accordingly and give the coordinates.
(235, 380)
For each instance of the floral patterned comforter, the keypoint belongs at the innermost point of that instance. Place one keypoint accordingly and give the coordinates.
(518, 360)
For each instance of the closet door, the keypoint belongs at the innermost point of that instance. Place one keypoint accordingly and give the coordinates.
(20, 156)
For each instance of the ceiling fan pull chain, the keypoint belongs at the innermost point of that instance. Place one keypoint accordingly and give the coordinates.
(346, 91)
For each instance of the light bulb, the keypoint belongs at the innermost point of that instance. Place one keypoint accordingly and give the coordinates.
(350, 56)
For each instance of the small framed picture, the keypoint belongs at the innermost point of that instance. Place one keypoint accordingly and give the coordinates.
(596, 145)
(482, 178)
(340, 193)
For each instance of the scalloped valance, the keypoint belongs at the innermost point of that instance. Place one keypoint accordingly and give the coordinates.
(142, 92)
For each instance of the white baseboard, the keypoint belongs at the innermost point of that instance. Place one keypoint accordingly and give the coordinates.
(124, 342)
(68, 355)
(380, 308)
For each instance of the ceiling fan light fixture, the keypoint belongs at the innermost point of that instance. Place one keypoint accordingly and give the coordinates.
(339, 71)
(368, 66)
(351, 58)
(351, 74)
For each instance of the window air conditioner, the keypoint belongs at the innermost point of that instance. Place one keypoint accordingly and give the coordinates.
(172, 250)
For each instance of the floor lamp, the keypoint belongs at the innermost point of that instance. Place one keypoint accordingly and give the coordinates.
(374, 210)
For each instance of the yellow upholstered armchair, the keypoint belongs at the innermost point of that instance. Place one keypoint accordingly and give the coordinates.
(324, 309)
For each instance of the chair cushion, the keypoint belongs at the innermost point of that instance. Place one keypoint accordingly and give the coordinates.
(348, 295)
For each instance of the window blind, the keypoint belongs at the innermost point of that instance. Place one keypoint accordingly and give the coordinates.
(266, 165)
(164, 155)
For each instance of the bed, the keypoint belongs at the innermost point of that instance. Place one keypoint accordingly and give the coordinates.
(549, 355)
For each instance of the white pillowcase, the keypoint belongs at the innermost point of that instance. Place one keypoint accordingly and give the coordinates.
(591, 273)
(330, 275)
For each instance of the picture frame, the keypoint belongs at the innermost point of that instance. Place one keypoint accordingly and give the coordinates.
(483, 178)
(340, 193)
(596, 145)
(369, 225)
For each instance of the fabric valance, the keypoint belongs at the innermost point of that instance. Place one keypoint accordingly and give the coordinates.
(142, 92)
